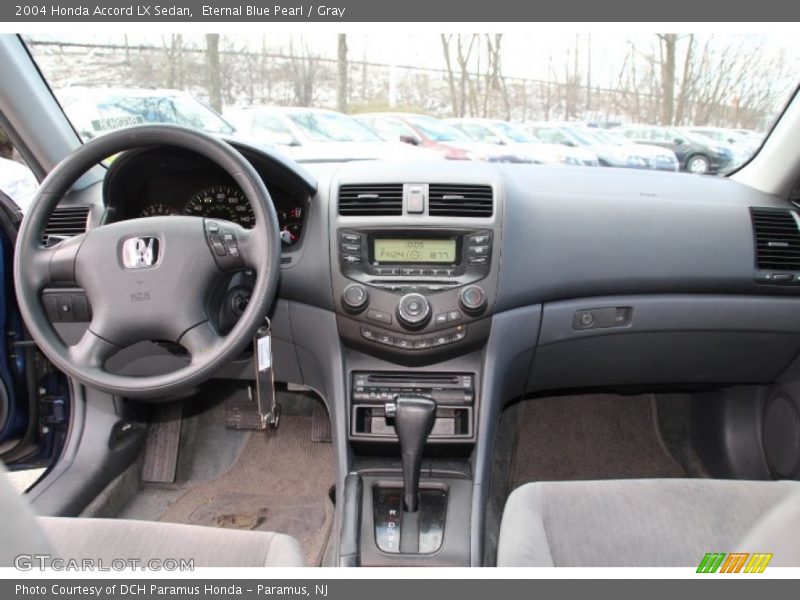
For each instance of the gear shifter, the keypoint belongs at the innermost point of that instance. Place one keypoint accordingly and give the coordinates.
(413, 422)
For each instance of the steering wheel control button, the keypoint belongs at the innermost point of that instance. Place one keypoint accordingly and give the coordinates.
(414, 310)
(217, 246)
(212, 226)
(472, 299)
(231, 244)
(380, 316)
(355, 297)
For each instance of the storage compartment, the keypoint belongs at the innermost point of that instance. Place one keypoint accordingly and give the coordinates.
(665, 340)
(451, 423)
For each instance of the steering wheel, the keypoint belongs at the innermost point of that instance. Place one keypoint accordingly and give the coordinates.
(148, 278)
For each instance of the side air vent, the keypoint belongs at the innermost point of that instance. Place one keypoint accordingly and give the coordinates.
(777, 239)
(65, 222)
(371, 200)
(460, 200)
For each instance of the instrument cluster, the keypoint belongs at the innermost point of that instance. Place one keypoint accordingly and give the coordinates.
(217, 200)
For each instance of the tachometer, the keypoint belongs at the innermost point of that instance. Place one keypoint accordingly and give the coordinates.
(222, 202)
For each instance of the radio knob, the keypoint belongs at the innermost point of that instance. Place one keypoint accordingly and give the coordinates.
(414, 310)
(355, 297)
(472, 299)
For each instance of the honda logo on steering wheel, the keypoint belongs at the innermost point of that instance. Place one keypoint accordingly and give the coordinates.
(140, 252)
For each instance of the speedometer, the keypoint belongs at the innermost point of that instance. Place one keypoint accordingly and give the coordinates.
(222, 202)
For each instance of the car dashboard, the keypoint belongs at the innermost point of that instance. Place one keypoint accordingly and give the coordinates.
(474, 284)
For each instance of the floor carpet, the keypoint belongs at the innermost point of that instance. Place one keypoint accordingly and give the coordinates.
(279, 482)
(590, 437)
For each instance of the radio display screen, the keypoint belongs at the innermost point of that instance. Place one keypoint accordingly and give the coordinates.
(388, 250)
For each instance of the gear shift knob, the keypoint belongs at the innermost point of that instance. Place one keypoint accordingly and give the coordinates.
(413, 422)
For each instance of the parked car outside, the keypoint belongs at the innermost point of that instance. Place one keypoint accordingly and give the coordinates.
(434, 134)
(658, 158)
(319, 135)
(577, 136)
(18, 182)
(696, 154)
(742, 146)
(95, 111)
(503, 133)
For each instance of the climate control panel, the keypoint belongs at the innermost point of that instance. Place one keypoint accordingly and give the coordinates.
(415, 293)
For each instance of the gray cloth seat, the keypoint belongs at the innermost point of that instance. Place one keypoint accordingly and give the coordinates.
(109, 539)
(648, 522)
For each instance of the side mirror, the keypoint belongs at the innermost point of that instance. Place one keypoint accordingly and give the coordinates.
(679, 141)
(410, 139)
(569, 143)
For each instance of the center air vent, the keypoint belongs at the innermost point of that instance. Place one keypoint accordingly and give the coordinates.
(65, 222)
(445, 200)
(371, 200)
(777, 239)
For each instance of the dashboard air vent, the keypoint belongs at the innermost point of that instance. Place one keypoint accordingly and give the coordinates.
(777, 239)
(65, 222)
(446, 200)
(371, 200)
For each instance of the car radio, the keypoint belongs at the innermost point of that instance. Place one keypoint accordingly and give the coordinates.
(390, 258)
(454, 394)
(415, 291)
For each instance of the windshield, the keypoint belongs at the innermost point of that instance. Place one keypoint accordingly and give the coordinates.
(611, 137)
(332, 127)
(437, 130)
(562, 87)
(582, 136)
(515, 134)
(94, 112)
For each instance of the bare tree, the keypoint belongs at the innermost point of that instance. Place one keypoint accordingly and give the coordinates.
(303, 65)
(668, 43)
(213, 71)
(451, 79)
(341, 71)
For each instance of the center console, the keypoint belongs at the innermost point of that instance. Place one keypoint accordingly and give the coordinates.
(414, 294)
(414, 268)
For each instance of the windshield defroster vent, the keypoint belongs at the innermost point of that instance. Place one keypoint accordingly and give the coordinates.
(381, 200)
(65, 222)
(445, 200)
(777, 239)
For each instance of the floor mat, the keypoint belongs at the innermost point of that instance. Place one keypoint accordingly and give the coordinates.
(590, 437)
(279, 482)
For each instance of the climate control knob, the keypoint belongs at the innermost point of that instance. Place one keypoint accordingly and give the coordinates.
(472, 299)
(414, 310)
(355, 297)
